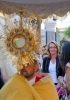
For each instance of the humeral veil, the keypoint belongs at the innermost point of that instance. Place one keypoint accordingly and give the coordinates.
(18, 88)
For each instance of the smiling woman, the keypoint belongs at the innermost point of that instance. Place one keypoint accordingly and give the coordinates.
(51, 63)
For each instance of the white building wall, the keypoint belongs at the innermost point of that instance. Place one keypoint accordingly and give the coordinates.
(43, 33)
(50, 28)
(50, 36)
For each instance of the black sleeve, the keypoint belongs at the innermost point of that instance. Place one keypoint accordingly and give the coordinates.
(44, 69)
(61, 72)
(1, 82)
(0, 71)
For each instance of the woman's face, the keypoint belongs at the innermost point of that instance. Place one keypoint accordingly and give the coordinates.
(52, 49)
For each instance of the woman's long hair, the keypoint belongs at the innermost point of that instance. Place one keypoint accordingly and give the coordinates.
(65, 55)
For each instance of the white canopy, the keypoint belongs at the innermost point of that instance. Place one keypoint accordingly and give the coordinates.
(43, 8)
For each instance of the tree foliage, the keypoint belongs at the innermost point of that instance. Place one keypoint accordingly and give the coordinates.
(67, 32)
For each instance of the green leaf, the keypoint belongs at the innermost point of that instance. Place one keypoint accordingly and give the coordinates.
(67, 32)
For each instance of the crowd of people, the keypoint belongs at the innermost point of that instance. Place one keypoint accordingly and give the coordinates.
(38, 80)
(56, 63)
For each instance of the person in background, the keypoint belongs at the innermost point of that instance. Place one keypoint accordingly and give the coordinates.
(44, 48)
(62, 44)
(1, 80)
(45, 54)
(61, 87)
(51, 63)
(65, 63)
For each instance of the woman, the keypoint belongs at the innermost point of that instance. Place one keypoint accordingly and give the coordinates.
(51, 63)
(65, 62)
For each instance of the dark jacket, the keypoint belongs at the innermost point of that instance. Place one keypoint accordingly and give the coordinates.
(1, 80)
(0, 71)
(46, 62)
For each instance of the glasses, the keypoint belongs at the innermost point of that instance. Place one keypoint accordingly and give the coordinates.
(52, 47)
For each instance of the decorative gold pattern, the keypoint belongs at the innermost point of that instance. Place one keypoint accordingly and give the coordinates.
(23, 45)
(16, 34)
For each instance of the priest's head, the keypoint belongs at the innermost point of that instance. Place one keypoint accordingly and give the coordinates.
(30, 70)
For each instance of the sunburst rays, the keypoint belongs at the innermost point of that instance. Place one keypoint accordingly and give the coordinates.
(11, 23)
